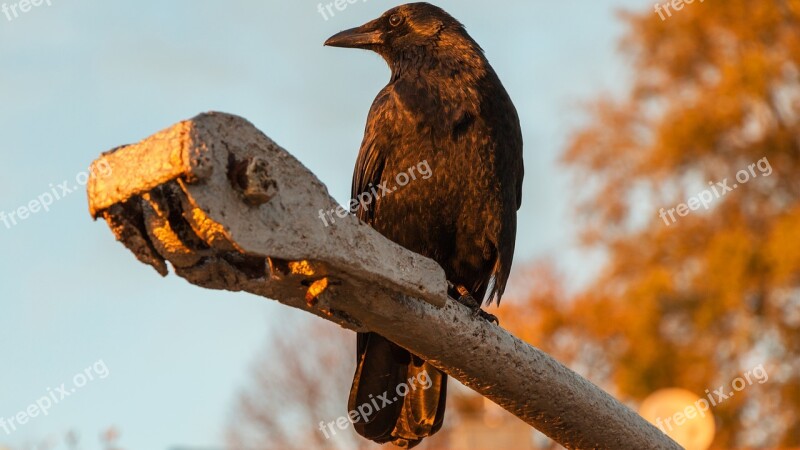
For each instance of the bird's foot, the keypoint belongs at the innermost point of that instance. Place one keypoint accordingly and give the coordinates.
(463, 296)
(489, 317)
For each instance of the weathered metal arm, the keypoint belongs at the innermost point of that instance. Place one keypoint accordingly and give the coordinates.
(229, 209)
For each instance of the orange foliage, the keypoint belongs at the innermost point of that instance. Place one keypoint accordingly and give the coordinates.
(697, 302)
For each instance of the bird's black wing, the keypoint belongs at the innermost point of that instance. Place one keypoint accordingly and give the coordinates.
(376, 146)
(383, 366)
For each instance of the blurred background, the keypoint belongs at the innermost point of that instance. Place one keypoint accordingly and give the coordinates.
(626, 107)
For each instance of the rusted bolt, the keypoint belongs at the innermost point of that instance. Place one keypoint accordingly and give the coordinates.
(251, 177)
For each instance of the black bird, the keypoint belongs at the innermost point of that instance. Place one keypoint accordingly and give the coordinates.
(444, 107)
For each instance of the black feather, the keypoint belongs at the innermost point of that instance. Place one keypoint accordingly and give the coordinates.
(446, 108)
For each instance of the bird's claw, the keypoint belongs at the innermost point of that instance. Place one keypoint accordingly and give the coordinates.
(491, 318)
(465, 298)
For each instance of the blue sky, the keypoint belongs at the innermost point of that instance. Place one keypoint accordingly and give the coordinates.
(82, 76)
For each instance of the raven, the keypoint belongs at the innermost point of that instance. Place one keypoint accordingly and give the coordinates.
(444, 106)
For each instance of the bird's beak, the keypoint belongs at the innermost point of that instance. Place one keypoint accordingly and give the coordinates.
(361, 37)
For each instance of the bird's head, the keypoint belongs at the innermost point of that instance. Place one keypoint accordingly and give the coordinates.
(406, 30)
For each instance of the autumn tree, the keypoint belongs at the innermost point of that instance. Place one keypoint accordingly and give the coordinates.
(301, 378)
(691, 189)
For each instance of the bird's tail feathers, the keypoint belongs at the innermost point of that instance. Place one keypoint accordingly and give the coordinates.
(399, 397)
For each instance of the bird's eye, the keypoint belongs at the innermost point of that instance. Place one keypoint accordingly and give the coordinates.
(395, 20)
